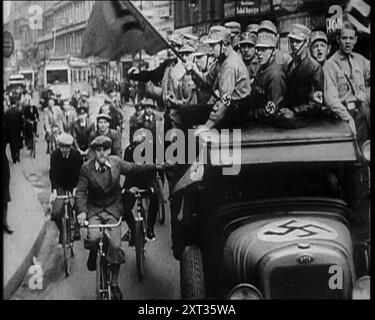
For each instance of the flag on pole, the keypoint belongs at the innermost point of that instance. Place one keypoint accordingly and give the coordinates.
(358, 13)
(116, 28)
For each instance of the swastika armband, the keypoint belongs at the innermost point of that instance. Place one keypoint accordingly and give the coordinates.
(270, 107)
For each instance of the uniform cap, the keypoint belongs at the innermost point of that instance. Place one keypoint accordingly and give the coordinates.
(101, 141)
(318, 35)
(299, 32)
(233, 26)
(84, 94)
(252, 28)
(176, 40)
(267, 25)
(187, 48)
(65, 139)
(247, 37)
(266, 40)
(202, 50)
(218, 34)
(103, 116)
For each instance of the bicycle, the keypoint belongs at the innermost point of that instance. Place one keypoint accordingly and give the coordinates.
(162, 202)
(68, 224)
(103, 267)
(140, 230)
(52, 142)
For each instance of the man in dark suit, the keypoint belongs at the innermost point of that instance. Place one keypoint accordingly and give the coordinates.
(99, 199)
(5, 182)
(68, 117)
(15, 127)
(64, 172)
(103, 129)
(83, 127)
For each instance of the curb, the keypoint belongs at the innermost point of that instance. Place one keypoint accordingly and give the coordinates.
(17, 278)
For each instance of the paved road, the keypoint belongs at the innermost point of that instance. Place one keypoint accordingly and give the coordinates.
(161, 269)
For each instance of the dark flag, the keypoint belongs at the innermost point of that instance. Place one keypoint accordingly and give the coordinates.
(358, 13)
(116, 28)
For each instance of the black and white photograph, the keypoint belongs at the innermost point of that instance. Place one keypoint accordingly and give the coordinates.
(202, 150)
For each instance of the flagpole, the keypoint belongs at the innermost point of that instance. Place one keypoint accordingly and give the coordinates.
(131, 6)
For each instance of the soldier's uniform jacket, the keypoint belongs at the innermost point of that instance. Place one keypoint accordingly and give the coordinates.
(252, 67)
(232, 84)
(268, 89)
(338, 94)
(179, 83)
(283, 58)
(304, 84)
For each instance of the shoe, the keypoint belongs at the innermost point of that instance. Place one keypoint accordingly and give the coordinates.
(116, 292)
(8, 230)
(91, 261)
(76, 235)
(151, 234)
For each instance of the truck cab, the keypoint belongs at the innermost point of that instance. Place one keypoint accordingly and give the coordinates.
(293, 223)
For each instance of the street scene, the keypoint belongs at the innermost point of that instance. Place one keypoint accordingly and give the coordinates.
(167, 150)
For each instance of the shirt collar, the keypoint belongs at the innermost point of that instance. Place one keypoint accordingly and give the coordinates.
(343, 56)
(106, 163)
(67, 156)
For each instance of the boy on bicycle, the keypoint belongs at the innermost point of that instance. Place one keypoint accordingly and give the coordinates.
(64, 172)
(99, 199)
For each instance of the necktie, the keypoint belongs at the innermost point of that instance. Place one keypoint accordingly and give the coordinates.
(102, 167)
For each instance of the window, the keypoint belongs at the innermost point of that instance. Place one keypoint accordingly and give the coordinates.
(57, 76)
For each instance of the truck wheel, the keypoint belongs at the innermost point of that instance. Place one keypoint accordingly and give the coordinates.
(191, 274)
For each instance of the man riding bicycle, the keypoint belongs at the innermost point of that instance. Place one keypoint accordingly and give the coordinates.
(83, 127)
(31, 116)
(64, 172)
(99, 199)
(52, 118)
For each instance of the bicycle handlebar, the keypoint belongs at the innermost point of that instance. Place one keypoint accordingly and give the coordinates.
(141, 192)
(98, 226)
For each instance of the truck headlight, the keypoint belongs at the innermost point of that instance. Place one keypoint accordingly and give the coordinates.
(366, 152)
(245, 291)
(361, 290)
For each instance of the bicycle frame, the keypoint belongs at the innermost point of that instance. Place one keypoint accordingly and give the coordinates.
(68, 222)
(105, 286)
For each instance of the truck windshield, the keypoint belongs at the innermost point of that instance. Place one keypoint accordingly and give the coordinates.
(57, 76)
(278, 181)
(28, 75)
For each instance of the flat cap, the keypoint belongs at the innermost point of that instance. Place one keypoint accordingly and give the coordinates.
(218, 34)
(252, 28)
(233, 26)
(84, 94)
(103, 116)
(299, 32)
(247, 37)
(65, 139)
(267, 25)
(101, 141)
(266, 40)
(318, 35)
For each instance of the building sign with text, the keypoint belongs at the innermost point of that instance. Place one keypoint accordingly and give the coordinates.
(249, 8)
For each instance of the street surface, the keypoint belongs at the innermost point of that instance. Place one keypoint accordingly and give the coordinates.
(161, 279)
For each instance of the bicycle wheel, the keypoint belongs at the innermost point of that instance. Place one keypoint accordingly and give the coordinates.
(72, 228)
(66, 245)
(139, 248)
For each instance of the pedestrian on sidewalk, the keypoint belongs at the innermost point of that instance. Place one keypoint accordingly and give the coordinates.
(5, 180)
(15, 127)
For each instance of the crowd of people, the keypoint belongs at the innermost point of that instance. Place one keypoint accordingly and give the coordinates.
(227, 78)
